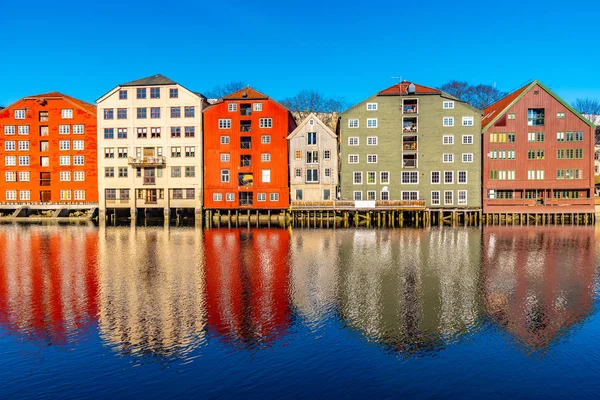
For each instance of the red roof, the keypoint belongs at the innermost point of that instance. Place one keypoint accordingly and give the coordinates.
(501, 105)
(246, 94)
(402, 89)
(57, 95)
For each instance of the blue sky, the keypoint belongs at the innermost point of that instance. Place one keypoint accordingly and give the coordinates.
(341, 48)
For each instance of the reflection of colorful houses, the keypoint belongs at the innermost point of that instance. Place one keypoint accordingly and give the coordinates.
(48, 282)
(410, 291)
(151, 297)
(538, 283)
(247, 285)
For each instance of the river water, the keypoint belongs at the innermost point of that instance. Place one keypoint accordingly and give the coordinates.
(155, 312)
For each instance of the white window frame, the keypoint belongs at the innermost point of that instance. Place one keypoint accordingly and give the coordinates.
(67, 113)
(467, 157)
(256, 107)
(464, 201)
(451, 202)
(225, 157)
(224, 140)
(448, 105)
(468, 139)
(384, 181)
(409, 192)
(356, 174)
(19, 114)
(265, 123)
(468, 121)
(372, 140)
(372, 158)
(353, 123)
(447, 139)
(447, 158)
(409, 175)
(232, 107)
(439, 175)
(353, 141)
(217, 196)
(371, 106)
(353, 158)
(433, 201)
(265, 176)
(458, 177)
(448, 121)
(355, 197)
(224, 123)
(372, 123)
(265, 139)
(265, 157)
(451, 181)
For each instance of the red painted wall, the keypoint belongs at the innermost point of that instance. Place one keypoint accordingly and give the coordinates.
(82, 115)
(283, 124)
(550, 164)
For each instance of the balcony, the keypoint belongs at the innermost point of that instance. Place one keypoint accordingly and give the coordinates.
(409, 143)
(245, 199)
(410, 107)
(409, 125)
(245, 109)
(245, 142)
(245, 126)
(409, 161)
(245, 161)
(245, 180)
(154, 161)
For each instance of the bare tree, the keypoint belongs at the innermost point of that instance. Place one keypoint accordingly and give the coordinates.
(587, 106)
(220, 91)
(479, 96)
(311, 101)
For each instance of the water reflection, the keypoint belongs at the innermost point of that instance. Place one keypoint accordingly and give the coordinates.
(151, 295)
(413, 290)
(247, 285)
(47, 281)
(538, 282)
(168, 292)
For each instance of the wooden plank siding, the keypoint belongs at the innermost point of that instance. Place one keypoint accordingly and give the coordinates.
(550, 185)
(282, 124)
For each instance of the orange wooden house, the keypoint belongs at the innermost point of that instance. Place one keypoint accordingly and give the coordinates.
(246, 152)
(48, 151)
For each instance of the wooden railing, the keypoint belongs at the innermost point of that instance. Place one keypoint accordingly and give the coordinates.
(348, 204)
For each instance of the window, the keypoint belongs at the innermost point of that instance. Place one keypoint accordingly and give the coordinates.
(384, 177)
(535, 117)
(155, 112)
(10, 176)
(357, 196)
(257, 106)
(67, 113)
(353, 141)
(409, 195)
(109, 172)
(535, 136)
(312, 175)
(371, 177)
(24, 195)
(560, 136)
(142, 133)
(327, 155)
(327, 172)
(175, 152)
(65, 176)
(79, 194)
(372, 106)
(511, 116)
(352, 158)
(109, 153)
(448, 139)
(410, 177)
(447, 105)
(462, 197)
(265, 122)
(232, 107)
(155, 133)
(224, 123)
(190, 151)
(462, 177)
(155, 93)
(24, 176)
(141, 113)
(448, 158)
(384, 195)
(10, 145)
(448, 121)
(435, 198)
(217, 197)
(512, 137)
(357, 178)
(9, 130)
(224, 139)
(467, 157)
(122, 94)
(371, 195)
(467, 139)
(311, 138)
(24, 145)
(23, 160)
(265, 139)
(266, 175)
(190, 172)
(173, 93)
(64, 129)
(372, 141)
(353, 123)
(78, 160)
(108, 113)
(189, 111)
(175, 172)
(299, 194)
(449, 177)
(10, 160)
(225, 175)
(560, 115)
(229, 196)
(141, 93)
(265, 157)
(448, 197)
(371, 122)
(122, 133)
(435, 177)
(24, 129)
(468, 121)
(175, 132)
(79, 176)
(298, 173)
(122, 152)
(371, 158)
(175, 112)
(11, 195)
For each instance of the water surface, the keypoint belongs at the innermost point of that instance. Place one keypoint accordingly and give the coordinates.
(154, 312)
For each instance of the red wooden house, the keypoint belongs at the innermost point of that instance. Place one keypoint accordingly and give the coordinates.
(246, 152)
(48, 151)
(538, 155)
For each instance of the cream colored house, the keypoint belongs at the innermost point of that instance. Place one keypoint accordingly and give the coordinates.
(313, 161)
(150, 147)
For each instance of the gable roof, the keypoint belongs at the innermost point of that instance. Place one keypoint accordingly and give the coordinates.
(246, 94)
(492, 113)
(305, 121)
(154, 80)
(402, 89)
(89, 108)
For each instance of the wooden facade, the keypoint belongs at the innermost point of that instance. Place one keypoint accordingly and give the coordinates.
(48, 151)
(538, 155)
(246, 152)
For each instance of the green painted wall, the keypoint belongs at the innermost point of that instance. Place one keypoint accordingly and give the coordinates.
(430, 148)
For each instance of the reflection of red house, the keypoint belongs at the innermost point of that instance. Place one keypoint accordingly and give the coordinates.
(247, 277)
(48, 282)
(538, 283)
